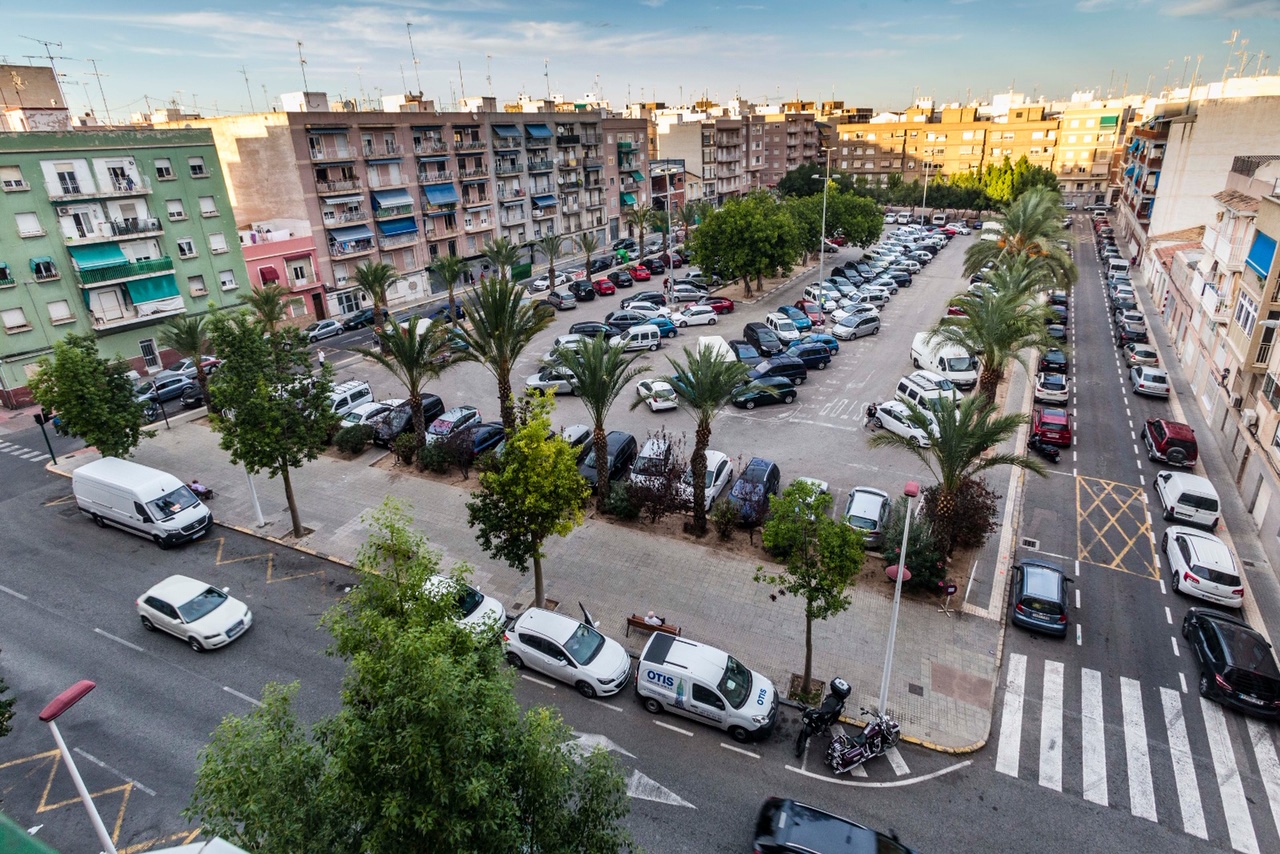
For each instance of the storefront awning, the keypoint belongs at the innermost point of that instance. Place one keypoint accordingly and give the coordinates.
(391, 198)
(441, 194)
(102, 255)
(538, 131)
(351, 232)
(544, 201)
(269, 274)
(152, 289)
(342, 200)
(506, 131)
(408, 225)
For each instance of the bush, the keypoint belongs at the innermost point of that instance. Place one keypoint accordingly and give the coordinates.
(725, 517)
(405, 447)
(925, 557)
(974, 520)
(659, 492)
(352, 440)
(619, 503)
(434, 457)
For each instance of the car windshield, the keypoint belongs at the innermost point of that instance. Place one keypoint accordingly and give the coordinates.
(661, 392)
(735, 684)
(203, 605)
(1054, 381)
(1042, 606)
(652, 466)
(1155, 377)
(168, 506)
(584, 644)
(861, 522)
(960, 364)
(440, 428)
(469, 600)
(755, 474)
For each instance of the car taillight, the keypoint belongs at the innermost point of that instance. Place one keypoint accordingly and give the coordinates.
(1222, 683)
(1186, 576)
(1019, 608)
(1239, 591)
(1062, 618)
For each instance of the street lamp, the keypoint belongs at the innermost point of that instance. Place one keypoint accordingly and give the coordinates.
(822, 236)
(911, 490)
(925, 198)
(51, 713)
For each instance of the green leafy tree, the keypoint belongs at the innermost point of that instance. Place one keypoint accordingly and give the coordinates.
(750, 237)
(822, 557)
(588, 244)
(602, 372)
(499, 327)
(413, 358)
(966, 445)
(551, 246)
(268, 304)
(798, 183)
(859, 219)
(92, 396)
(374, 280)
(186, 335)
(1032, 229)
(273, 412)
(926, 558)
(704, 384)
(448, 271)
(503, 255)
(531, 492)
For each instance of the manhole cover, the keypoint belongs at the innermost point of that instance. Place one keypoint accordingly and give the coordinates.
(1028, 543)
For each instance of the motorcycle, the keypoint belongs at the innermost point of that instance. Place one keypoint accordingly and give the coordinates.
(875, 739)
(152, 413)
(821, 718)
(1044, 449)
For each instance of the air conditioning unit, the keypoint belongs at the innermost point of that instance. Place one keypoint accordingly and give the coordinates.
(1236, 401)
(64, 211)
(1249, 417)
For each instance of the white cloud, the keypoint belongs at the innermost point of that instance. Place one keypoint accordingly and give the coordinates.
(1227, 8)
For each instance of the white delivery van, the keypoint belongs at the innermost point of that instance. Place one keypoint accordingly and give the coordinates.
(706, 684)
(950, 360)
(939, 219)
(991, 230)
(645, 336)
(718, 346)
(1117, 267)
(927, 390)
(1188, 498)
(140, 500)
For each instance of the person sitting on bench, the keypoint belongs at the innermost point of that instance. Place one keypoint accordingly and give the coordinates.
(653, 620)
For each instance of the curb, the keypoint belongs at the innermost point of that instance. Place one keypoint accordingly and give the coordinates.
(280, 542)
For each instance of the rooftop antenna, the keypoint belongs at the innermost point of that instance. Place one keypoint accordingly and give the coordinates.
(408, 28)
(247, 89)
(403, 81)
(546, 72)
(95, 73)
(1244, 56)
(146, 99)
(1194, 76)
(364, 102)
(1262, 54)
(488, 72)
(1167, 66)
(1235, 36)
(266, 96)
(302, 63)
(1186, 61)
(84, 84)
(48, 53)
(462, 84)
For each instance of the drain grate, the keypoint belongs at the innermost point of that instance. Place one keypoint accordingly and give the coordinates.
(1028, 543)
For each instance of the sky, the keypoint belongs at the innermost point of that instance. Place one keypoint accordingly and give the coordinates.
(232, 56)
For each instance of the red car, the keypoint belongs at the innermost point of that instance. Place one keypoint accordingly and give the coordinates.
(812, 310)
(604, 287)
(955, 311)
(1053, 426)
(640, 274)
(674, 260)
(722, 305)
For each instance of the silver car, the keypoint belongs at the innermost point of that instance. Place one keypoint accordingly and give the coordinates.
(1147, 380)
(868, 511)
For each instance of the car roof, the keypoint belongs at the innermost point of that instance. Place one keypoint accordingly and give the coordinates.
(1208, 548)
(617, 438)
(178, 589)
(1053, 414)
(1176, 429)
(1042, 579)
(558, 627)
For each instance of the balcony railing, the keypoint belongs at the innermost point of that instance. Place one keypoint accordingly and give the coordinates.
(507, 142)
(440, 232)
(474, 201)
(541, 165)
(393, 211)
(373, 152)
(570, 208)
(434, 177)
(150, 313)
(472, 227)
(389, 242)
(431, 147)
(318, 154)
(543, 213)
(593, 163)
(469, 145)
(359, 215)
(339, 186)
(64, 190)
(595, 203)
(351, 247)
(508, 193)
(571, 183)
(127, 270)
(481, 172)
(568, 139)
(512, 219)
(624, 146)
(508, 169)
(1264, 354)
(591, 139)
(537, 142)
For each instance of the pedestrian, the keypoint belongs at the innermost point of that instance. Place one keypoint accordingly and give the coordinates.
(871, 416)
(654, 620)
(320, 356)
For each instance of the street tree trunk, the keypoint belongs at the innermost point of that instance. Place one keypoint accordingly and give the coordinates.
(293, 503)
(505, 404)
(701, 439)
(988, 382)
(419, 420)
(808, 651)
(600, 442)
(539, 594)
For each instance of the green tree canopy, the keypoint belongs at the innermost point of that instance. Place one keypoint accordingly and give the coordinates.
(92, 396)
(750, 237)
(500, 324)
(187, 336)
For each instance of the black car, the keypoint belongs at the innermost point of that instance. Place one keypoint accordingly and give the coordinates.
(622, 453)
(594, 329)
(1237, 666)
(1058, 298)
(624, 320)
(627, 243)
(599, 265)
(782, 365)
(442, 313)
(1130, 333)
(764, 391)
(750, 493)
(654, 266)
(399, 420)
(745, 353)
(786, 826)
(1057, 331)
(1040, 597)
(621, 279)
(362, 317)
(762, 338)
(655, 297)
(813, 355)
(1054, 361)
(582, 290)
(901, 277)
(1058, 314)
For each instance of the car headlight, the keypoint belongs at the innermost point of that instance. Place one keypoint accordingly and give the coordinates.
(212, 636)
(759, 720)
(606, 681)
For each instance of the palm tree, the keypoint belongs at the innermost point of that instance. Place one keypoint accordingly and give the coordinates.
(375, 279)
(186, 335)
(448, 270)
(965, 436)
(499, 326)
(601, 373)
(1032, 229)
(639, 217)
(413, 359)
(550, 245)
(503, 255)
(588, 244)
(704, 383)
(268, 303)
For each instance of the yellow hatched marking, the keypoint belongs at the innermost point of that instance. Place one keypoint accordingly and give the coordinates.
(1112, 527)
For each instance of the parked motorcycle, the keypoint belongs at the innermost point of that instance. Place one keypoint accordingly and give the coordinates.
(821, 718)
(875, 739)
(152, 412)
(1044, 449)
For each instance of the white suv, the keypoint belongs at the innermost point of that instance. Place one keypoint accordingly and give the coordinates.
(1202, 566)
(569, 650)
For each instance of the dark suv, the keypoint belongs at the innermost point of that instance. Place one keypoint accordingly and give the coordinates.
(1040, 597)
(782, 365)
(784, 826)
(763, 339)
(400, 420)
(1237, 667)
(1170, 442)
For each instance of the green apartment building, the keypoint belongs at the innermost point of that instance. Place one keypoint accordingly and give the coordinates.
(109, 232)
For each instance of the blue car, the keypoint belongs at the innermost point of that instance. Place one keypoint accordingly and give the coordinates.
(442, 313)
(665, 326)
(750, 494)
(796, 316)
(822, 338)
(486, 437)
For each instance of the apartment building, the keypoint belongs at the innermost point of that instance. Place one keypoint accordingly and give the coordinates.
(714, 150)
(283, 253)
(409, 186)
(778, 142)
(109, 233)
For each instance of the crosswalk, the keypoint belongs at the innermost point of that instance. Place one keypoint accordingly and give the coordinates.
(23, 453)
(1223, 767)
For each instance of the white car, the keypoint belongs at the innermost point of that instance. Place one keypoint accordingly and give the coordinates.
(553, 380)
(1201, 565)
(563, 342)
(896, 417)
(1144, 379)
(649, 310)
(853, 306)
(203, 616)
(719, 474)
(577, 435)
(961, 228)
(904, 218)
(694, 315)
(366, 413)
(543, 283)
(476, 611)
(1051, 388)
(568, 650)
(906, 263)
(658, 394)
(322, 329)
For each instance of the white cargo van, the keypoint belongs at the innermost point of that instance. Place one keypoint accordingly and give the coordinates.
(1117, 267)
(718, 346)
(939, 219)
(950, 360)
(645, 336)
(1188, 498)
(706, 684)
(927, 390)
(143, 501)
(991, 230)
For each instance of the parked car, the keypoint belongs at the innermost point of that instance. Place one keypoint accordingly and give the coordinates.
(552, 380)
(868, 510)
(568, 650)
(1130, 333)
(826, 340)
(358, 319)
(1040, 597)
(764, 391)
(896, 417)
(594, 329)
(583, 290)
(322, 329)
(203, 616)
(1201, 565)
(163, 388)
(653, 297)
(649, 310)
(1237, 665)
(750, 494)
(687, 293)
(627, 243)
(811, 310)
(745, 353)
(1170, 442)
(1141, 354)
(563, 298)
(451, 422)
(657, 394)
(800, 319)
(812, 355)
(604, 287)
(624, 320)
(654, 266)
(621, 279)
(367, 413)
(1054, 361)
(440, 314)
(719, 473)
(1051, 388)
(639, 273)
(762, 338)
(543, 282)
(599, 265)
(1052, 426)
(665, 326)
(856, 326)
(1153, 382)
(622, 453)
(484, 437)
(695, 315)
(473, 610)
(722, 305)
(187, 367)
(400, 420)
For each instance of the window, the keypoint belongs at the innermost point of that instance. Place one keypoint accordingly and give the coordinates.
(208, 207)
(60, 312)
(43, 269)
(164, 169)
(6, 274)
(217, 243)
(196, 164)
(1246, 313)
(186, 247)
(195, 285)
(408, 259)
(15, 320)
(174, 206)
(706, 697)
(28, 225)
(11, 179)
(227, 280)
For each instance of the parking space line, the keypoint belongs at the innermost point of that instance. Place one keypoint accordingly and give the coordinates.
(104, 766)
(120, 641)
(674, 728)
(537, 681)
(233, 692)
(740, 750)
(13, 593)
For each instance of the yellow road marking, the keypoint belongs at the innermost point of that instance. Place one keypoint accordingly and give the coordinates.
(1106, 542)
(269, 557)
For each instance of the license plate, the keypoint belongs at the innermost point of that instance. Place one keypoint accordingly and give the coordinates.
(236, 629)
(1249, 698)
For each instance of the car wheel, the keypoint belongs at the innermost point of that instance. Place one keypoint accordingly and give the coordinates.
(147, 624)
(684, 324)
(738, 734)
(586, 690)
(711, 322)
(99, 521)
(1151, 455)
(653, 348)
(750, 404)
(195, 644)
(921, 443)
(875, 331)
(915, 362)
(515, 661)
(670, 334)
(1177, 456)
(1205, 689)
(1168, 515)
(799, 380)
(876, 422)
(1186, 627)
(652, 706)
(789, 398)
(822, 366)
(1164, 543)
(164, 546)
(1177, 587)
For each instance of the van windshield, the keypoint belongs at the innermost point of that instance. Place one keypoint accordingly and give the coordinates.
(735, 684)
(168, 506)
(584, 644)
(959, 364)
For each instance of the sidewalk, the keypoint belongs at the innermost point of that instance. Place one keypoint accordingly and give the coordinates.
(944, 667)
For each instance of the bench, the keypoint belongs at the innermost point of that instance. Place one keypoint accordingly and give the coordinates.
(635, 621)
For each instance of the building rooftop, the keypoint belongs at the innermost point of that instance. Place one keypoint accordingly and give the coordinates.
(1238, 201)
(1194, 234)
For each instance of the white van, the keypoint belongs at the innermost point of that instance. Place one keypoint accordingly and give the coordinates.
(718, 346)
(939, 219)
(991, 230)
(1117, 267)
(645, 336)
(926, 390)
(782, 326)
(1188, 498)
(950, 360)
(143, 501)
(706, 684)
(349, 395)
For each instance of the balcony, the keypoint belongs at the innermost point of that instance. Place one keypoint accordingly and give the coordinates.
(392, 241)
(119, 272)
(567, 165)
(472, 174)
(570, 208)
(507, 142)
(392, 212)
(517, 218)
(593, 163)
(591, 139)
(624, 146)
(152, 311)
(119, 228)
(351, 247)
(319, 155)
(65, 190)
(338, 186)
(595, 203)
(507, 193)
(335, 217)
(508, 169)
(568, 139)
(476, 201)
(435, 177)
(572, 183)
(469, 145)
(544, 213)
(537, 142)
(373, 152)
(431, 146)
(1264, 354)
(541, 165)
(475, 226)
(379, 182)
(441, 232)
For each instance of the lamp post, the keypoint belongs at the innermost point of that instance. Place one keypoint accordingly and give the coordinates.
(49, 715)
(911, 490)
(822, 236)
(924, 199)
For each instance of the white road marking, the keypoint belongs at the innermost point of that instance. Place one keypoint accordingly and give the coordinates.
(1142, 798)
(1264, 751)
(13, 593)
(1168, 615)
(1176, 654)
(1163, 592)
(608, 706)
(740, 750)
(1077, 569)
(1011, 716)
(1142, 479)
(1183, 681)
(537, 681)
(640, 786)
(1234, 806)
(96, 761)
(120, 641)
(895, 759)
(888, 784)
(1093, 737)
(1051, 727)
(1184, 766)
(588, 741)
(674, 728)
(1079, 635)
(1077, 598)
(233, 692)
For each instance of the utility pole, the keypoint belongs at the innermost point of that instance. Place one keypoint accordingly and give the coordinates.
(546, 72)
(247, 88)
(101, 91)
(488, 72)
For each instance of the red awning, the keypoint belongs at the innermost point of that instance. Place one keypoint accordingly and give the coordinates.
(269, 274)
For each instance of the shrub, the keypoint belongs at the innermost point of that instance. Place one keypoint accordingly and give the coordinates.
(434, 457)
(458, 451)
(406, 447)
(974, 520)
(925, 558)
(352, 440)
(725, 517)
(619, 503)
(659, 492)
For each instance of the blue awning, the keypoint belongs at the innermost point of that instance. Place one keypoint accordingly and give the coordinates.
(544, 201)
(42, 259)
(538, 131)
(152, 289)
(443, 194)
(351, 232)
(506, 131)
(102, 255)
(433, 158)
(391, 198)
(1128, 173)
(390, 158)
(342, 131)
(438, 213)
(408, 225)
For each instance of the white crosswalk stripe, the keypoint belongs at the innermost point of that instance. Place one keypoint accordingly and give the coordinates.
(1051, 728)
(1011, 717)
(1093, 737)
(29, 454)
(1184, 766)
(1224, 765)
(1264, 752)
(1142, 797)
